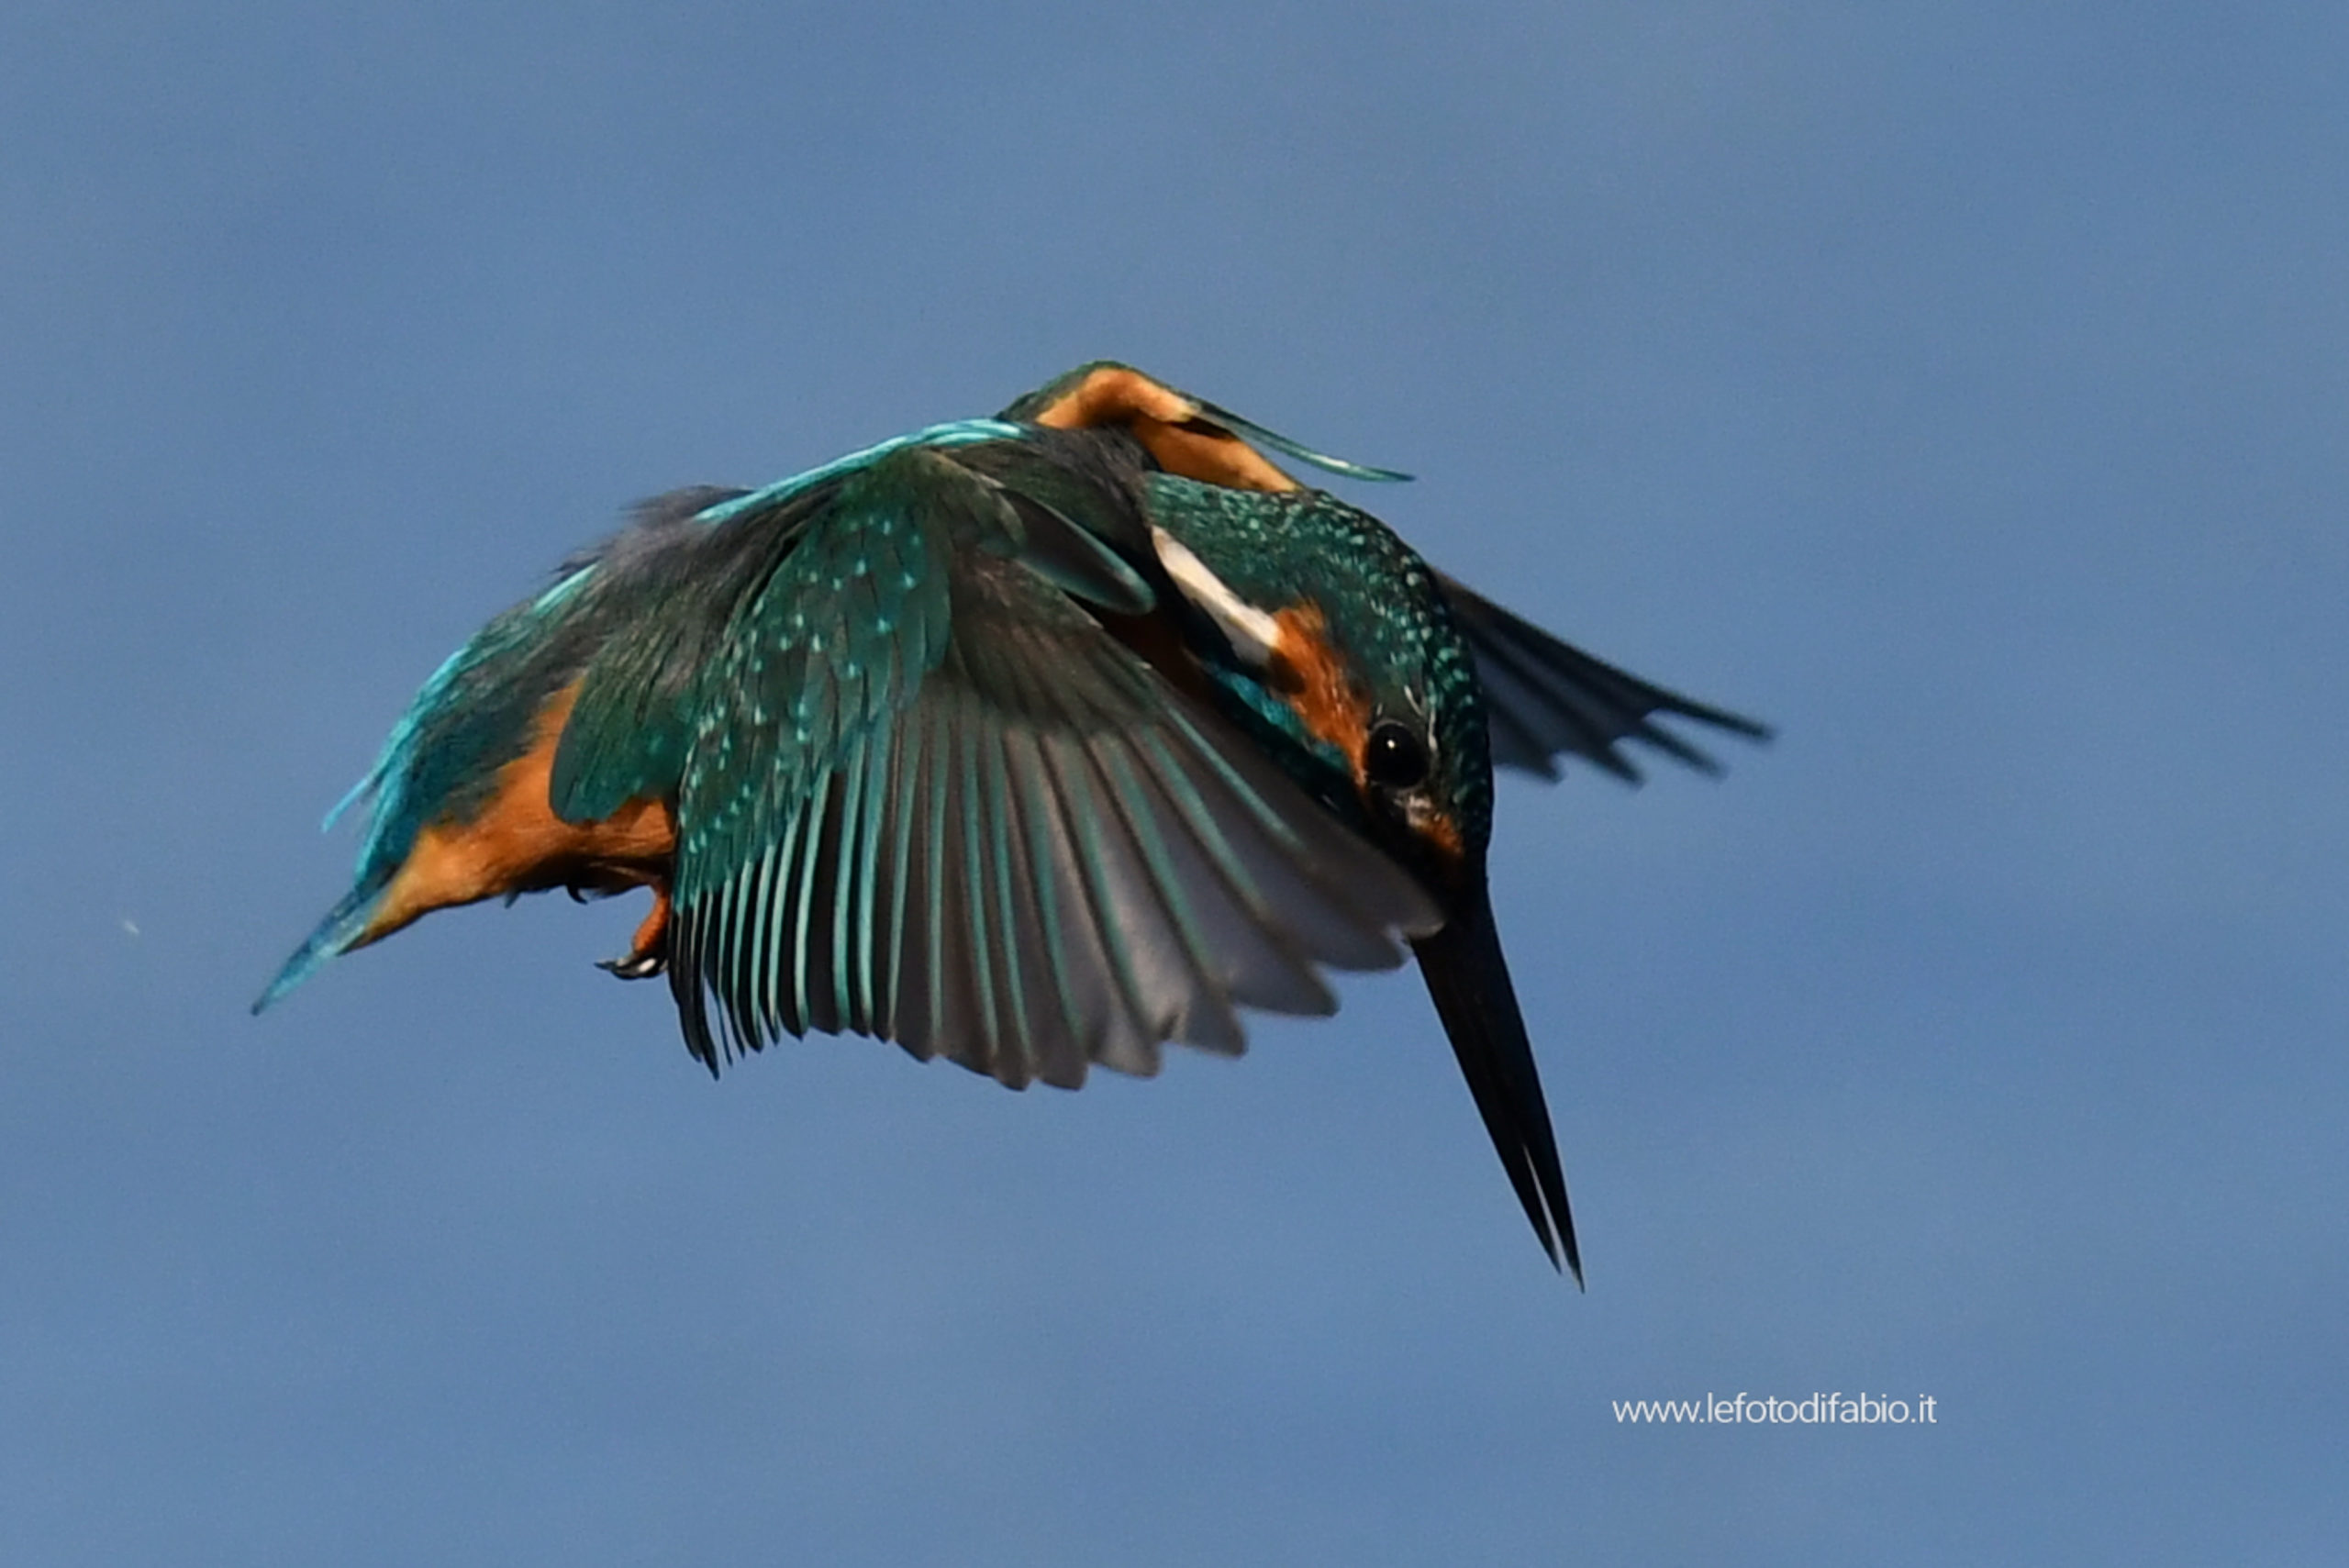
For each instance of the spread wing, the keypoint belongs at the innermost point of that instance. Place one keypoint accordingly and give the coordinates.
(1545, 699)
(924, 796)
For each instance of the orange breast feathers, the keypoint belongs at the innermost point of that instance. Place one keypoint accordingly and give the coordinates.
(515, 844)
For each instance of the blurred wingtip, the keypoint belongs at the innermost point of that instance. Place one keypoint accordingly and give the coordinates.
(1302, 453)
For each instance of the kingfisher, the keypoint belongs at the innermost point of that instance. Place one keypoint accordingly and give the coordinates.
(1034, 743)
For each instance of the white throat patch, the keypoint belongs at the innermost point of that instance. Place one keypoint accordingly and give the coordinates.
(1254, 635)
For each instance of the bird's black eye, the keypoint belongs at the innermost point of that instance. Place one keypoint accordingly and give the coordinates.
(1394, 758)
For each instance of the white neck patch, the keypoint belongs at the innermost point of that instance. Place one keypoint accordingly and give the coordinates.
(1254, 635)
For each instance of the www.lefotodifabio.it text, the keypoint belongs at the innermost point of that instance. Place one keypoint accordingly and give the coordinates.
(1818, 1409)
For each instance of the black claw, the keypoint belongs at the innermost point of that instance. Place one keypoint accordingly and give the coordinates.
(634, 966)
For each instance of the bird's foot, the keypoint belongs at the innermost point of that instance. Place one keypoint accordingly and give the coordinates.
(648, 955)
(634, 965)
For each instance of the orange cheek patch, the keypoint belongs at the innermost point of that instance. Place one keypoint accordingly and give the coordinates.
(1164, 421)
(1310, 675)
(515, 843)
(1312, 679)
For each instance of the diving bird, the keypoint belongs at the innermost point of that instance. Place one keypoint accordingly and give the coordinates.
(1032, 741)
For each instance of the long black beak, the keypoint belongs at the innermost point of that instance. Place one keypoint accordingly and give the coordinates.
(1469, 977)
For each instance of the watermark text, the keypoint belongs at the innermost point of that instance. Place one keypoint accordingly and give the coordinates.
(1836, 1410)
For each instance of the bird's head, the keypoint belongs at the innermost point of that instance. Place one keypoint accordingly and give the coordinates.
(1331, 641)
(1334, 620)
(1336, 648)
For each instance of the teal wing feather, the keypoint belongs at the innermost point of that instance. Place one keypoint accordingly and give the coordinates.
(676, 596)
(928, 798)
(726, 615)
(1545, 698)
(1343, 468)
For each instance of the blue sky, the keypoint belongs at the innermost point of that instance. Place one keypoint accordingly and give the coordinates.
(1963, 388)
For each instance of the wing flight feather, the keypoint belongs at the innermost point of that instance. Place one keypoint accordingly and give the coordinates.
(930, 799)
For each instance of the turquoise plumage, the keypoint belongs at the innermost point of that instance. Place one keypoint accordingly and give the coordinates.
(1034, 743)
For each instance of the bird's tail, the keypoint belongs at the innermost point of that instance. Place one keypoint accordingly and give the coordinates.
(336, 934)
